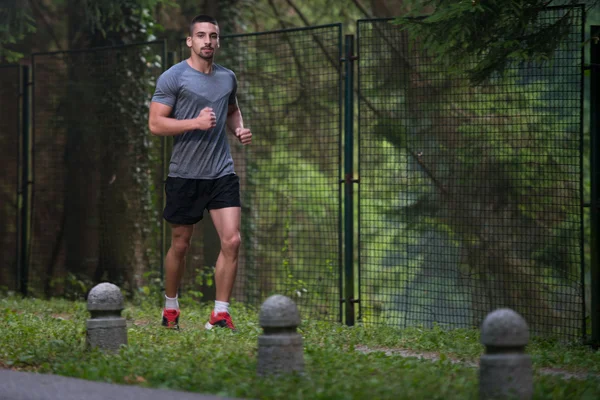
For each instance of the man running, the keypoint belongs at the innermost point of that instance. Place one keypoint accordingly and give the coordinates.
(194, 101)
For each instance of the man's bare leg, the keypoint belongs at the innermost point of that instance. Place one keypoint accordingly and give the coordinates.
(181, 236)
(227, 224)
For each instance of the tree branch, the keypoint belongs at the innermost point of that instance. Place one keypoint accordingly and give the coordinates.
(413, 154)
(297, 10)
(42, 15)
(277, 15)
(362, 8)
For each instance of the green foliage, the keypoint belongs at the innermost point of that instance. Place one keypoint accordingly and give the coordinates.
(132, 18)
(493, 33)
(203, 277)
(268, 15)
(151, 292)
(49, 337)
(75, 287)
(16, 23)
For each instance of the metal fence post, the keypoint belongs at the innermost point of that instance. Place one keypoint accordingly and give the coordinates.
(349, 182)
(25, 184)
(595, 182)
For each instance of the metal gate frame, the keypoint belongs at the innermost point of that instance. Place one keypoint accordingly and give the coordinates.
(350, 297)
(594, 203)
(27, 159)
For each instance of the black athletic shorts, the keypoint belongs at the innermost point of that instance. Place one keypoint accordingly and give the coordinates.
(188, 198)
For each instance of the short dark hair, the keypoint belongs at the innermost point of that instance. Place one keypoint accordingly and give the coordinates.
(201, 18)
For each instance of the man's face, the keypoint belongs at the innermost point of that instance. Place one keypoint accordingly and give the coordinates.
(204, 40)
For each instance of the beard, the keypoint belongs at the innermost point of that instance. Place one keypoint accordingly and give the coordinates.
(207, 57)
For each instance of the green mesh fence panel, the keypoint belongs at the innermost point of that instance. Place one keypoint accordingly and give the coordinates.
(98, 172)
(9, 165)
(289, 93)
(470, 196)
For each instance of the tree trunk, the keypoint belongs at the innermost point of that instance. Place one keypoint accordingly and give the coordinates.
(9, 143)
(388, 8)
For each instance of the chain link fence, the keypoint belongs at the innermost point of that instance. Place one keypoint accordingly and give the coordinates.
(289, 92)
(470, 196)
(97, 172)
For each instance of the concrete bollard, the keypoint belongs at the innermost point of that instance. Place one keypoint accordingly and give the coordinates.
(106, 329)
(505, 371)
(280, 347)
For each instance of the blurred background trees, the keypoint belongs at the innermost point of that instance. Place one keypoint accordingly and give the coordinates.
(454, 30)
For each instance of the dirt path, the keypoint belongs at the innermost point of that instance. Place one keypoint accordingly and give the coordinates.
(433, 356)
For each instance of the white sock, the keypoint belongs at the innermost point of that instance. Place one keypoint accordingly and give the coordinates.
(171, 302)
(221, 306)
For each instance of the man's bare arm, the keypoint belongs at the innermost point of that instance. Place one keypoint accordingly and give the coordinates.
(235, 122)
(161, 124)
(234, 117)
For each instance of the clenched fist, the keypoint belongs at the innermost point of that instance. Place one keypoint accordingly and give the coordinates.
(244, 135)
(207, 119)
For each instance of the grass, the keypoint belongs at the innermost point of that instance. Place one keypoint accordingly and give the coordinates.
(49, 337)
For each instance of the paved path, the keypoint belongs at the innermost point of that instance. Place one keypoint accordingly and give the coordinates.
(16, 385)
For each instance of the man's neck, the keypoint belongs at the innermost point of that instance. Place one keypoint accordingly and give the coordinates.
(200, 64)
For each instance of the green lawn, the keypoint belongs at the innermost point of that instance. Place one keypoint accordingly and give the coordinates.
(49, 337)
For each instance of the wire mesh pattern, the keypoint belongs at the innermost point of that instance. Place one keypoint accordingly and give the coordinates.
(97, 171)
(9, 165)
(470, 196)
(289, 94)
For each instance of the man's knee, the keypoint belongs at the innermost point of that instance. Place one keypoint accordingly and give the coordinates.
(231, 244)
(180, 244)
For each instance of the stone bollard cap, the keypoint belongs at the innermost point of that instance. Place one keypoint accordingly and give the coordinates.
(105, 297)
(279, 312)
(504, 328)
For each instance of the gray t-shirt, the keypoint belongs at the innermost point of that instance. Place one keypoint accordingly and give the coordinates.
(198, 154)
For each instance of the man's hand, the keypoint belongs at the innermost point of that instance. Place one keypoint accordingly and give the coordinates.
(207, 119)
(244, 135)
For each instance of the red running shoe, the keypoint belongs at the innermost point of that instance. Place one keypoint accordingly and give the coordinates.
(170, 318)
(222, 319)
